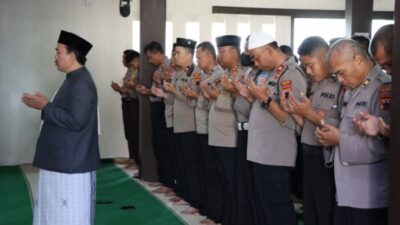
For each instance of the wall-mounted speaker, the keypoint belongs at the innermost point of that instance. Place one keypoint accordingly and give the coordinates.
(124, 8)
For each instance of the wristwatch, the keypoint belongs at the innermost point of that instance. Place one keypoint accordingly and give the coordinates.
(265, 104)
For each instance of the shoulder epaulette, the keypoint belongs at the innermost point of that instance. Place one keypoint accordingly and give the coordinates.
(281, 70)
(384, 78)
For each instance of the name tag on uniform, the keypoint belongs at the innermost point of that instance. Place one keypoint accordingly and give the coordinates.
(361, 104)
(327, 95)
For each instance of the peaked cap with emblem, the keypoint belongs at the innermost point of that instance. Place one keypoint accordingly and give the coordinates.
(187, 43)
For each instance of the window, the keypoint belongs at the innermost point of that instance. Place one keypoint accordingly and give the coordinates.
(217, 29)
(376, 24)
(192, 30)
(168, 38)
(136, 35)
(243, 30)
(325, 28)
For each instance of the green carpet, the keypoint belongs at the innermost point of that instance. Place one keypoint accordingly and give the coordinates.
(15, 203)
(115, 190)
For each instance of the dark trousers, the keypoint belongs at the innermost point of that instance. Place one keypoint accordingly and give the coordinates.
(188, 150)
(227, 170)
(130, 116)
(296, 175)
(272, 188)
(159, 140)
(318, 186)
(172, 176)
(355, 216)
(178, 164)
(245, 197)
(214, 205)
(202, 143)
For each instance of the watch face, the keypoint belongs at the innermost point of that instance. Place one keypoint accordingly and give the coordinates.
(264, 105)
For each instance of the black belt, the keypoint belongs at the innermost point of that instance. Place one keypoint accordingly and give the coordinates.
(311, 149)
(127, 99)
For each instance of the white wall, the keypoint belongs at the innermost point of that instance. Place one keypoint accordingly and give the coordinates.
(29, 31)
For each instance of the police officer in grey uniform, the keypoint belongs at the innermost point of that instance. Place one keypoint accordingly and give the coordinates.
(170, 73)
(380, 49)
(271, 140)
(130, 104)
(360, 161)
(184, 120)
(155, 55)
(166, 165)
(320, 107)
(229, 59)
(206, 60)
(242, 107)
(214, 190)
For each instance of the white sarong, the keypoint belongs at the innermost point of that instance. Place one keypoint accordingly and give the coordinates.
(65, 199)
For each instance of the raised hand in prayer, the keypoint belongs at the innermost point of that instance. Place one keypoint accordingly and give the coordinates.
(259, 91)
(169, 87)
(35, 101)
(328, 135)
(115, 87)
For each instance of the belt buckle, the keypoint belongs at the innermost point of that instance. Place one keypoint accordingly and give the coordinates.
(239, 126)
(243, 126)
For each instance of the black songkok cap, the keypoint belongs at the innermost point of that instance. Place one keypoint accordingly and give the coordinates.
(187, 43)
(75, 42)
(228, 40)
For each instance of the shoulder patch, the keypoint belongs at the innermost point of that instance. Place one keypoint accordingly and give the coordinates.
(385, 97)
(286, 86)
(281, 69)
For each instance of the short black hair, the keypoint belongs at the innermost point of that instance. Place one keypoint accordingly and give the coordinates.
(127, 51)
(383, 36)
(131, 55)
(287, 50)
(362, 40)
(274, 45)
(81, 58)
(207, 47)
(154, 47)
(311, 44)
